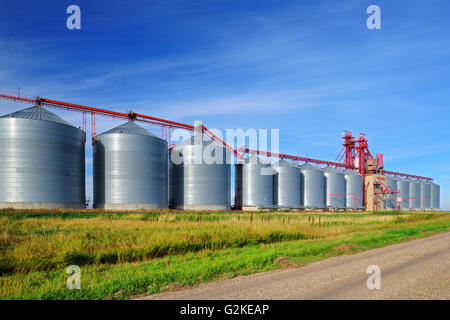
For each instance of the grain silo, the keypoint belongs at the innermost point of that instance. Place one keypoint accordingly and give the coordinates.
(286, 185)
(353, 187)
(391, 197)
(334, 188)
(254, 184)
(312, 186)
(238, 186)
(425, 195)
(257, 184)
(414, 194)
(200, 175)
(130, 169)
(403, 188)
(42, 161)
(435, 190)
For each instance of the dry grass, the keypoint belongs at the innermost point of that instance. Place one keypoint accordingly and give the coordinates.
(43, 240)
(132, 253)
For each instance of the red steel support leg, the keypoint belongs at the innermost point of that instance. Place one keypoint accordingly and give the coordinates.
(164, 133)
(84, 122)
(93, 133)
(171, 129)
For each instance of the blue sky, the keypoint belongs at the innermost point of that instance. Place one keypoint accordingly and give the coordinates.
(310, 68)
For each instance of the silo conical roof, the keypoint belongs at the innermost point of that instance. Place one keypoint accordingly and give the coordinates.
(254, 159)
(195, 139)
(38, 113)
(205, 142)
(330, 169)
(351, 172)
(308, 166)
(130, 127)
(282, 163)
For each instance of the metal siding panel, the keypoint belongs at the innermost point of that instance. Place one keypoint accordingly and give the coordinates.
(425, 194)
(354, 184)
(403, 187)
(45, 161)
(414, 192)
(334, 183)
(312, 185)
(286, 186)
(435, 196)
(257, 187)
(130, 169)
(200, 184)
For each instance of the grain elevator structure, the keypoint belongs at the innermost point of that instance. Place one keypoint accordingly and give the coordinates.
(42, 166)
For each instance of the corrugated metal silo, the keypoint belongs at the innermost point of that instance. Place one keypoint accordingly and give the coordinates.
(435, 191)
(334, 188)
(286, 185)
(42, 161)
(354, 188)
(425, 195)
(403, 187)
(312, 186)
(414, 194)
(238, 186)
(390, 201)
(130, 169)
(200, 175)
(257, 184)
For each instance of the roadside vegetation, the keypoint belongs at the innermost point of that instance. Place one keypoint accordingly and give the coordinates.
(134, 253)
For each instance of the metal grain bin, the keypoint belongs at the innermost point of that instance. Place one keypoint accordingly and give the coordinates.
(257, 184)
(435, 191)
(200, 175)
(414, 194)
(425, 195)
(312, 186)
(286, 185)
(42, 161)
(354, 189)
(403, 188)
(391, 198)
(334, 188)
(130, 169)
(238, 186)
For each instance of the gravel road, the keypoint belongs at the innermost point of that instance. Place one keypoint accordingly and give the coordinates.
(418, 269)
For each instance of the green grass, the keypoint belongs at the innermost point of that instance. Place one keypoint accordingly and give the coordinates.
(127, 254)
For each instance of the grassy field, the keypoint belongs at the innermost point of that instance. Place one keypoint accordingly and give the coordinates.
(126, 254)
